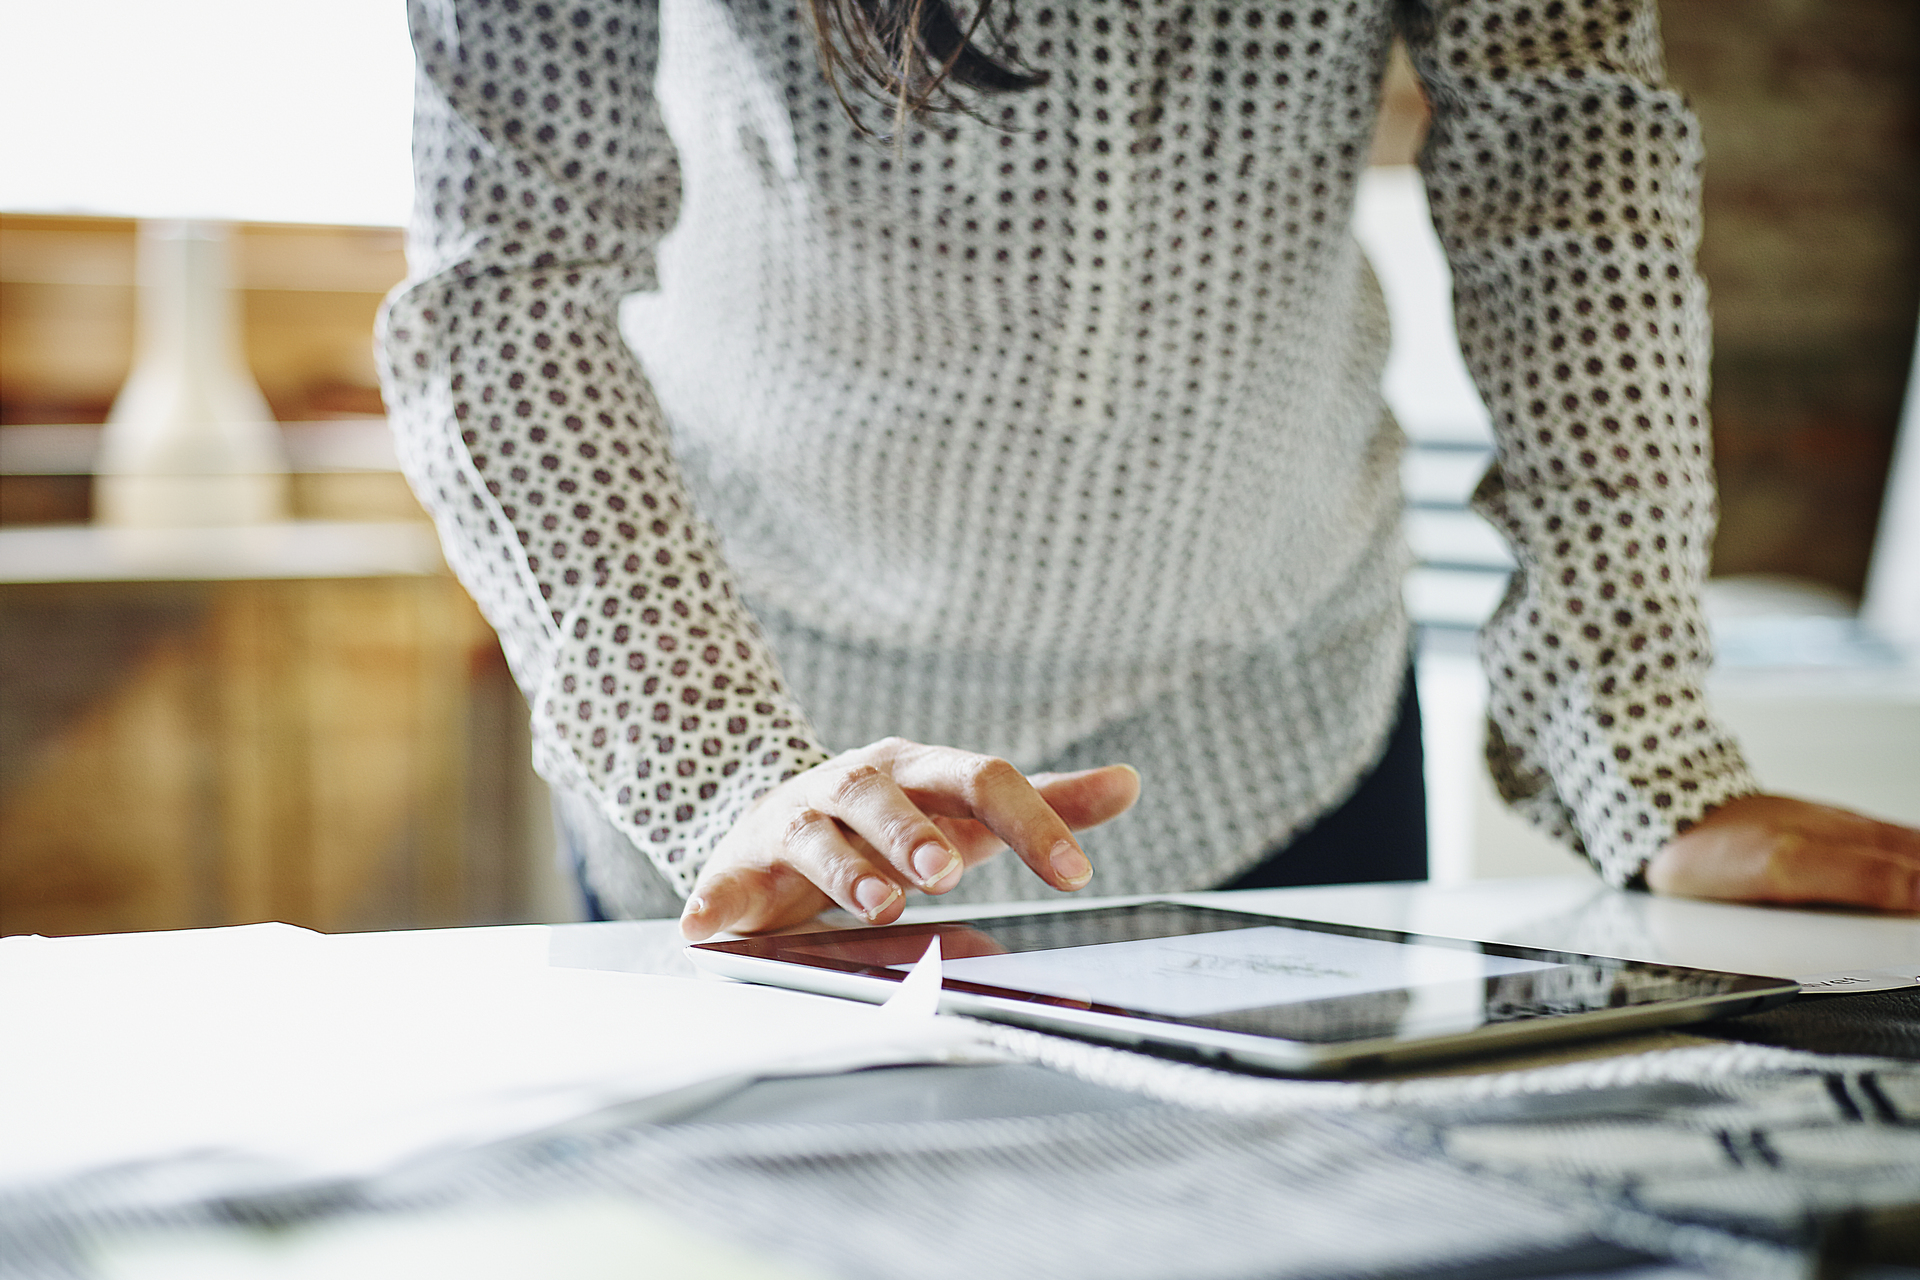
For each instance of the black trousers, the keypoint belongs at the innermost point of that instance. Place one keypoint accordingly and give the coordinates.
(1378, 833)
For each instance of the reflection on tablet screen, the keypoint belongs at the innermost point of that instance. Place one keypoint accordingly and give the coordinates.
(1299, 980)
(1212, 973)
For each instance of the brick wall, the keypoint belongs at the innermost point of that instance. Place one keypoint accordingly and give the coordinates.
(1811, 115)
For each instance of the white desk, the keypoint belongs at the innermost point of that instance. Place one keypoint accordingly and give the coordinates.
(1571, 912)
(1577, 913)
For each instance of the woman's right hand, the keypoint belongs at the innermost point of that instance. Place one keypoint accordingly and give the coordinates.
(857, 830)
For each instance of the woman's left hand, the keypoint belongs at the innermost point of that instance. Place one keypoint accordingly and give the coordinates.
(1763, 848)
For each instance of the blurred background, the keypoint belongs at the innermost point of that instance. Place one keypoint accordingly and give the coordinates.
(308, 721)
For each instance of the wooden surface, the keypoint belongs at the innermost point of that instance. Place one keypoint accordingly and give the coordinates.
(317, 752)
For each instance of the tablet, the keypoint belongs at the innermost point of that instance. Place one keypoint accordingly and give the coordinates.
(1300, 997)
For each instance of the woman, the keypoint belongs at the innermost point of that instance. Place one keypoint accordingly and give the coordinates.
(1047, 435)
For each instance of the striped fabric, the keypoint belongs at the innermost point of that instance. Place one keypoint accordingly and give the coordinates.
(1747, 1162)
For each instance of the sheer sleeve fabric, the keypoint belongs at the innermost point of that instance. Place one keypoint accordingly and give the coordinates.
(1563, 179)
(544, 178)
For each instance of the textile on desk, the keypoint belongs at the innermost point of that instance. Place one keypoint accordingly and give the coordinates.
(1751, 1162)
(1879, 1023)
(1738, 1149)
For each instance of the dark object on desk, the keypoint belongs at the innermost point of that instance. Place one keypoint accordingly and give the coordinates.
(1884, 1024)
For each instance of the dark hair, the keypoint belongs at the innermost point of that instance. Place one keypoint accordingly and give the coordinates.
(912, 53)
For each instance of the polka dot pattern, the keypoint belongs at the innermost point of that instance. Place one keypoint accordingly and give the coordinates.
(1054, 433)
(1564, 183)
(545, 181)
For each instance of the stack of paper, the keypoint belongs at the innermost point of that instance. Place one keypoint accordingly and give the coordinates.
(269, 1054)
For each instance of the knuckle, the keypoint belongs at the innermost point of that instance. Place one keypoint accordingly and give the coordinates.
(856, 784)
(1894, 886)
(804, 827)
(1780, 861)
(814, 851)
(991, 773)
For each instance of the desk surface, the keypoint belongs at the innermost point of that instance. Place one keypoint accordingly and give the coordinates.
(1011, 1110)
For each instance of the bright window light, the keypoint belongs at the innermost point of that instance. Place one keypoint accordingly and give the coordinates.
(248, 110)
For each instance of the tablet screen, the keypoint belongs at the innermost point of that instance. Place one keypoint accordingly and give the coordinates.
(1213, 973)
(1231, 971)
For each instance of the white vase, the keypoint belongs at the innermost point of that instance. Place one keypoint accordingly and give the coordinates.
(190, 440)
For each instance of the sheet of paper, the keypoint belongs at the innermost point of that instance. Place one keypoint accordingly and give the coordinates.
(919, 993)
(1237, 969)
(281, 1054)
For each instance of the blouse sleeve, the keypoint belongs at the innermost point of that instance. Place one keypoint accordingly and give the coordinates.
(544, 178)
(1563, 178)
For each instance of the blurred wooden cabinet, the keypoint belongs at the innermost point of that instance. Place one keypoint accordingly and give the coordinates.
(338, 751)
(307, 722)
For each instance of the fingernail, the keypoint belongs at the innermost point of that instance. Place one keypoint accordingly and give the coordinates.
(934, 863)
(1070, 865)
(874, 895)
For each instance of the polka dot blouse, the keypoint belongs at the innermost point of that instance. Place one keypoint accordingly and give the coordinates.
(1056, 432)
